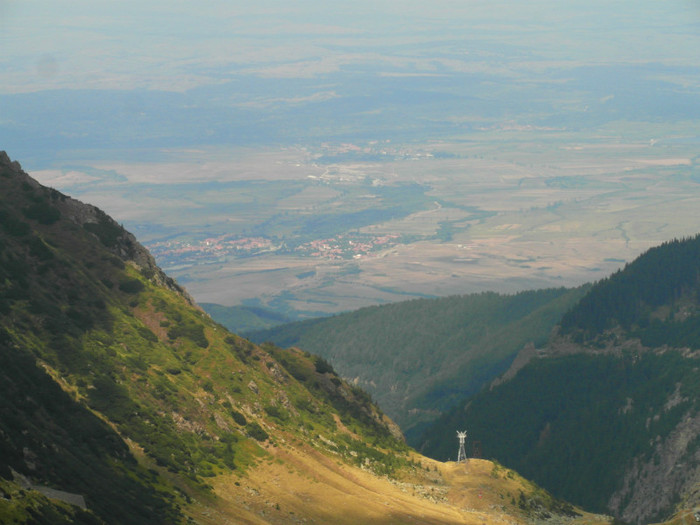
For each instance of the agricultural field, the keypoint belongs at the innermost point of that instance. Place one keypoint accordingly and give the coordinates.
(311, 231)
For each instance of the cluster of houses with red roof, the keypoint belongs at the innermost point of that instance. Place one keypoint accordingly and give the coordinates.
(346, 246)
(179, 252)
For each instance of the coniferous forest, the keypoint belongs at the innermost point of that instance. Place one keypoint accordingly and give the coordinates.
(632, 298)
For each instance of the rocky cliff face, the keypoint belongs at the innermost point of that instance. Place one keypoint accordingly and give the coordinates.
(663, 478)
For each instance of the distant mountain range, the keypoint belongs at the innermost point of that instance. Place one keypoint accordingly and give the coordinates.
(123, 402)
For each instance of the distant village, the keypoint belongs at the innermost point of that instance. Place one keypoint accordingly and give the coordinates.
(344, 246)
(348, 246)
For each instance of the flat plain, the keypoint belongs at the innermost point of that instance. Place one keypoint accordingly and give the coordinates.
(312, 231)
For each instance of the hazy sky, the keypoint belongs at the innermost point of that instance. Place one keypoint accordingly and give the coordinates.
(92, 79)
(177, 45)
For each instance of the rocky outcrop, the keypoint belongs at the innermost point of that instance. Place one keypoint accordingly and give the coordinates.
(653, 483)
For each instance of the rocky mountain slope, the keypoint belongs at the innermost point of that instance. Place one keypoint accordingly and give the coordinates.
(123, 402)
(607, 413)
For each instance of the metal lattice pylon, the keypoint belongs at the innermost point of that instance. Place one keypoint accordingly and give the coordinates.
(462, 454)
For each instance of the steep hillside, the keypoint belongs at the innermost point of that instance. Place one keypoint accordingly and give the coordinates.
(124, 403)
(419, 358)
(607, 414)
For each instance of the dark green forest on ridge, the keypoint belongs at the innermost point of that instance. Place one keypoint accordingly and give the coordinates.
(421, 357)
(664, 276)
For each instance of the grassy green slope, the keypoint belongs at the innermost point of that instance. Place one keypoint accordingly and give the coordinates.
(57, 442)
(421, 357)
(155, 398)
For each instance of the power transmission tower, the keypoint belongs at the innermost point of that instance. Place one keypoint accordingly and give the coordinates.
(461, 455)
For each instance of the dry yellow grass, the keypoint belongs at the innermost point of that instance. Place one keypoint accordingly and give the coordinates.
(298, 484)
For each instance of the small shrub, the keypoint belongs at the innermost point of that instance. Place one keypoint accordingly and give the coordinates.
(116, 262)
(99, 304)
(131, 286)
(147, 334)
(14, 227)
(256, 431)
(42, 212)
(306, 405)
(38, 249)
(192, 331)
(276, 412)
(239, 418)
(137, 362)
(323, 366)
(5, 337)
(81, 318)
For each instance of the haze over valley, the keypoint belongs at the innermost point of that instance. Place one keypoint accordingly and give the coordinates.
(313, 160)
